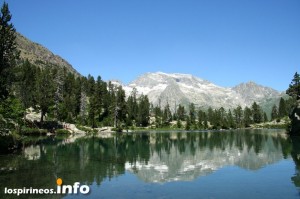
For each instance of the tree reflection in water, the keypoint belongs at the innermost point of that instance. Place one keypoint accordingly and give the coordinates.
(295, 153)
(153, 157)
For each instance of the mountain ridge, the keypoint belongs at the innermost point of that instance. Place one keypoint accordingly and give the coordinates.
(176, 88)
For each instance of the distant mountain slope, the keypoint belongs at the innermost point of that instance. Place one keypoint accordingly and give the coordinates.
(41, 56)
(251, 91)
(174, 89)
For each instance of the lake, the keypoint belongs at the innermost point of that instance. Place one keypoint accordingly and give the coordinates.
(224, 164)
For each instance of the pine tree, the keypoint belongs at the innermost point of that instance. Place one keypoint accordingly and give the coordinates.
(205, 123)
(238, 116)
(230, 120)
(132, 107)
(69, 99)
(179, 123)
(59, 77)
(99, 96)
(274, 113)
(188, 123)
(294, 87)
(201, 118)
(290, 104)
(167, 115)
(83, 110)
(223, 118)
(180, 112)
(282, 108)
(247, 117)
(143, 111)
(92, 111)
(158, 116)
(8, 51)
(210, 115)
(192, 114)
(27, 84)
(120, 107)
(256, 113)
(45, 91)
(265, 117)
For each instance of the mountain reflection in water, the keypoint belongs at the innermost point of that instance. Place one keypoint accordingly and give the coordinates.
(153, 157)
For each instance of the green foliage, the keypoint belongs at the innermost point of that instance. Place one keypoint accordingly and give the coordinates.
(132, 107)
(192, 113)
(282, 111)
(265, 117)
(45, 91)
(256, 113)
(188, 124)
(62, 131)
(117, 129)
(67, 96)
(179, 124)
(167, 115)
(12, 108)
(238, 116)
(120, 107)
(26, 84)
(247, 117)
(201, 119)
(158, 116)
(294, 87)
(11, 113)
(8, 51)
(143, 111)
(274, 114)
(180, 113)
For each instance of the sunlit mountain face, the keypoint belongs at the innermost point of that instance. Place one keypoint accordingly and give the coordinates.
(176, 88)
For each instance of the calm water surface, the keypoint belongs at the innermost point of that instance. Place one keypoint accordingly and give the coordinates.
(228, 164)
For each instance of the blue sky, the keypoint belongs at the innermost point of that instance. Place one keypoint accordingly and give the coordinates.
(224, 41)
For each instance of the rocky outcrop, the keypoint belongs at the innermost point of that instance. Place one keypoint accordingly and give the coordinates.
(72, 128)
(295, 120)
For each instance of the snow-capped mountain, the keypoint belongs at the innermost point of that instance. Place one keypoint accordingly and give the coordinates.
(162, 88)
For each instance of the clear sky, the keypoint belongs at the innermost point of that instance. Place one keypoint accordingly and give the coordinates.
(224, 41)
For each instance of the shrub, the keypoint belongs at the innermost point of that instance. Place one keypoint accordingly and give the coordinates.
(118, 129)
(35, 131)
(62, 131)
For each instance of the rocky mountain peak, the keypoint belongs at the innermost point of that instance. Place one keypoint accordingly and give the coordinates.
(175, 88)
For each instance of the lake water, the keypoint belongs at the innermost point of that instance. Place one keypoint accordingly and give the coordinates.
(227, 164)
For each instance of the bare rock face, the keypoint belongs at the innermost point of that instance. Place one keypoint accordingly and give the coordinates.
(295, 120)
